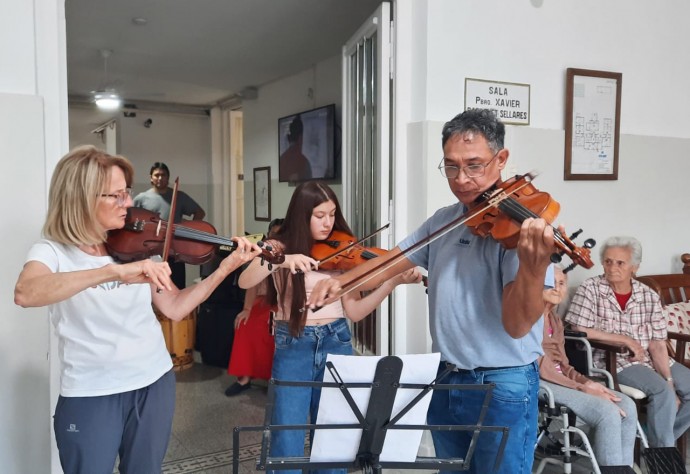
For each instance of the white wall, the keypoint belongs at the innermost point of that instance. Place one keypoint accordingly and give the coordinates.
(534, 43)
(278, 99)
(33, 134)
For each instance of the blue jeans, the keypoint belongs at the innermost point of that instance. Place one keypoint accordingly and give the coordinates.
(513, 404)
(302, 358)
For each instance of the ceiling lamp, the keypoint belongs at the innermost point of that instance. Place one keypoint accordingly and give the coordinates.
(107, 100)
(105, 97)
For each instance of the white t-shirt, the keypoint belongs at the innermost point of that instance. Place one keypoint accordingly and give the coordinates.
(109, 338)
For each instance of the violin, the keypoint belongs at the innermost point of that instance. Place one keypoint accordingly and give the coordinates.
(504, 207)
(194, 242)
(341, 251)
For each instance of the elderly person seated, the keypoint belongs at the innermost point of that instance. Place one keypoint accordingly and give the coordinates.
(610, 415)
(618, 309)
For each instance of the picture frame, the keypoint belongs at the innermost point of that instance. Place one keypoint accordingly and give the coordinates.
(592, 124)
(262, 194)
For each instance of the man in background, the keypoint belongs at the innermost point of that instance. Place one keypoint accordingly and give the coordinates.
(158, 200)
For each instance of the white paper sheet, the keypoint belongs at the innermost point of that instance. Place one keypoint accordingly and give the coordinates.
(400, 445)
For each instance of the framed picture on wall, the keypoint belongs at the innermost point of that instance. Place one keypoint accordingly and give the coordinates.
(592, 124)
(262, 194)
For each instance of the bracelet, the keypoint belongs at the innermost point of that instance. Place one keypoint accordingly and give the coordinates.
(669, 379)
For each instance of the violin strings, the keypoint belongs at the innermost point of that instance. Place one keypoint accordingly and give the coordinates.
(187, 232)
(519, 212)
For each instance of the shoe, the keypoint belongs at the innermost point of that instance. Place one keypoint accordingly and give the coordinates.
(236, 389)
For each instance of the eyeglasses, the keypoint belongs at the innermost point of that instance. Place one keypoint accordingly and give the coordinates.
(121, 197)
(471, 171)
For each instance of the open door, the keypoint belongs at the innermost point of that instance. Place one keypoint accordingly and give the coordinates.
(366, 153)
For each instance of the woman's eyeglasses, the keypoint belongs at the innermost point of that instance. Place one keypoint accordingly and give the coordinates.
(121, 197)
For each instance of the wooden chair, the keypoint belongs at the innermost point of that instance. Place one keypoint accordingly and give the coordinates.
(674, 288)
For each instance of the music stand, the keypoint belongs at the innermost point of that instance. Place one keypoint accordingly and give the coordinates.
(374, 425)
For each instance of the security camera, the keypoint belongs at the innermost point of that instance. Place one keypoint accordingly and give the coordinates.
(148, 123)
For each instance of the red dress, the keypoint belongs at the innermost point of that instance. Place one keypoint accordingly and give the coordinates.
(253, 345)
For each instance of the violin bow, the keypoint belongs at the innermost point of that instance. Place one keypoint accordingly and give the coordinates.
(338, 252)
(437, 234)
(170, 230)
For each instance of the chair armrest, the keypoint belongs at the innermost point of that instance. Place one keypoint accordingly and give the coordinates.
(571, 333)
(610, 351)
(590, 369)
(607, 346)
(678, 353)
(679, 336)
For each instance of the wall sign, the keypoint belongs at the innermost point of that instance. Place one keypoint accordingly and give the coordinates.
(508, 100)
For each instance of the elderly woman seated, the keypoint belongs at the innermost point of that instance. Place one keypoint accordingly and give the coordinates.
(611, 415)
(618, 309)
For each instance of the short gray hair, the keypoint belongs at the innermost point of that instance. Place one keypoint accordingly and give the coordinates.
(624, 242)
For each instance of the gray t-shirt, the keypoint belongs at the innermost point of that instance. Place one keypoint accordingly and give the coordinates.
(160, 203)
(467, 274)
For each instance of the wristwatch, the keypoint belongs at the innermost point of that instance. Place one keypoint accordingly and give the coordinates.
(669, 379)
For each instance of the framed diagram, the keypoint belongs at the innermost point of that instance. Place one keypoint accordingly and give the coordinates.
(592, 124)
(262, 194)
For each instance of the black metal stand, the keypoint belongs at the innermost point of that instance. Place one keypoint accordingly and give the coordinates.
(375, 425)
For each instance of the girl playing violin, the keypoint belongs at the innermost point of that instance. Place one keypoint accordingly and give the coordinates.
(117, 389)
(303, 338)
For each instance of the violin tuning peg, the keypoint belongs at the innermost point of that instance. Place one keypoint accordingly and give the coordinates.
(270, 267)
(589, 243)
(556, 258)
(574, 235)
(569, 267)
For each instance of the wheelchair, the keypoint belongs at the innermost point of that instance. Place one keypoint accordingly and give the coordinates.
(560, 441)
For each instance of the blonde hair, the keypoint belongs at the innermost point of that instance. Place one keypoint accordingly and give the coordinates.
(79, 178)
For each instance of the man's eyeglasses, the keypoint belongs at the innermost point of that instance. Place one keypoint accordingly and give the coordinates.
(471, 171)
(121, 197)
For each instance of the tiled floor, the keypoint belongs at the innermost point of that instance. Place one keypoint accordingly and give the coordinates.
(204, 421)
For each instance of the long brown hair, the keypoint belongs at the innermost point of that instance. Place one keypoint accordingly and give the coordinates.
(295, 235)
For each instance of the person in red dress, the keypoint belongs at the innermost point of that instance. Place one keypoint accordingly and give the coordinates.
(253, 345)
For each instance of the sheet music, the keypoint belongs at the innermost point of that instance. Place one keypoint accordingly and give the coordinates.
(400, 445)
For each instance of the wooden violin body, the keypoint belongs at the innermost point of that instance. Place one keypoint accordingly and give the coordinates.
(194, 242)
(338, 252)
(500, 211)
(143, 236)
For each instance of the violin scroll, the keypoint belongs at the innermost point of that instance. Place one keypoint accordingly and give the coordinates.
(270, 253)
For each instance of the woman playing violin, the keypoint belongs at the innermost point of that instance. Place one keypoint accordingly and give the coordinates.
(303, 338)
(117, 389)
(485, 303)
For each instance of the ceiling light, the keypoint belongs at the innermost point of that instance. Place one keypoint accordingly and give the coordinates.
(139, 21)
(105, 97)
(107, 100)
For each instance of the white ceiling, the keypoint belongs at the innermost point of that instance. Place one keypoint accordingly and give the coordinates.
(199, 52)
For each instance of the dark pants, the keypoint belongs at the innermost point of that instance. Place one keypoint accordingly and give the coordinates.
(179, 275)
(91, 431)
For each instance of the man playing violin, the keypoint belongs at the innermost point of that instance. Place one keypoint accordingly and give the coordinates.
(485, 303)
